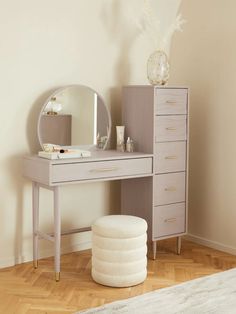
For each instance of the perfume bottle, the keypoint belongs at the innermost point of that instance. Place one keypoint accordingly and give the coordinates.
(130, 145)
(120, 132)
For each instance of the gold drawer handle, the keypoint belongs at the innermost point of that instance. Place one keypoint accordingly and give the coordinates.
(171, 157)
(171, 102)
(170, 129)
(170, 220)
(104, 169)
(170, 189)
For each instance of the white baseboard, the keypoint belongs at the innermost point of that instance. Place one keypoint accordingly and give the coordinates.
(212, 244)
(14, 260)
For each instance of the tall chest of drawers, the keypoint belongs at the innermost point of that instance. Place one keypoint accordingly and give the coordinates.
(156, 118)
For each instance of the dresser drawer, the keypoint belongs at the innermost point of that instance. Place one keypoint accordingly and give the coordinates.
(169, 188)
(169, 220)
(170, 128)
(170, 157)
(101, 169)
(170, 101)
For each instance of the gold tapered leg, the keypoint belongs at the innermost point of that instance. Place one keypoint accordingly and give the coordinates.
(178, 245)
(57, 276)
(154, 248)
(35, 264)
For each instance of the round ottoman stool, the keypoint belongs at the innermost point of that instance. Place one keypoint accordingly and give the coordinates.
(119, 250)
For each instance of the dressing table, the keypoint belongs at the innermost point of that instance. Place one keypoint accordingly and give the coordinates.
(88, 117)
(154, 181)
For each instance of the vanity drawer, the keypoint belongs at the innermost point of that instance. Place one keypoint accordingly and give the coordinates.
(171, 101)
(101, 169)
(170, 157)
(170, 128)
(169, 220)
(169, 188)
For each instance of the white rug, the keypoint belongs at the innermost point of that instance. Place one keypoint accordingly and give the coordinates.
(211, 294)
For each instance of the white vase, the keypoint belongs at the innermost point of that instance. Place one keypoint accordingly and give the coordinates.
(158, 68)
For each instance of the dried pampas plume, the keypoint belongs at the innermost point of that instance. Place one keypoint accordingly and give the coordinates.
(150, 25)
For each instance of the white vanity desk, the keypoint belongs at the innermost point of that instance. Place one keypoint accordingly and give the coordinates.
(103, 165)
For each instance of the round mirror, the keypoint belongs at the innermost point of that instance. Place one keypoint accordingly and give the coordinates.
(74, 116)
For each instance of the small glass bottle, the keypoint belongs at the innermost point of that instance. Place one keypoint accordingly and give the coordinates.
(130, 145)
(120, 144)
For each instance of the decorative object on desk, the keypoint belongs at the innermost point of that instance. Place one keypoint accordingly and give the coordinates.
(130, 145)
(98, 140)
(160, 31)
(101, 141)
(53, 107)
(120, 138)
(64, 154)
(84, 116)
(209, 294)
(52, 151)
(50, 148)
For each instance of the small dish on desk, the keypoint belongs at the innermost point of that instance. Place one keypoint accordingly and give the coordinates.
(69, 153)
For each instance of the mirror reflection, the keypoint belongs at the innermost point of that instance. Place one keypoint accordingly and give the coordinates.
(74, 116)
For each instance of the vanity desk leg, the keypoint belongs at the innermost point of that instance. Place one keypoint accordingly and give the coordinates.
(35, 206)
(57, 233)
(57, 227)
(178, 245)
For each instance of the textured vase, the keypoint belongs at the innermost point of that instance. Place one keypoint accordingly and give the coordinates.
(158, 68)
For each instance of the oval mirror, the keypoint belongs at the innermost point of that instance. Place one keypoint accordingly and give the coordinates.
(75, 116)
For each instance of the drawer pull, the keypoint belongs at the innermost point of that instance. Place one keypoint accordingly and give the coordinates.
(170, 129)
(171, 102)
(104, 169)
(170, 189)
(171, 157)
(168, 220)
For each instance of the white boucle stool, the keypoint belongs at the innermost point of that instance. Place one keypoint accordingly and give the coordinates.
(119, 250)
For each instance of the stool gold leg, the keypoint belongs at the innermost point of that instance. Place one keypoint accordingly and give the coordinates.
(57, 277)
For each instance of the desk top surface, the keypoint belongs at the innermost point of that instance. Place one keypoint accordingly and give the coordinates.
(97, 155)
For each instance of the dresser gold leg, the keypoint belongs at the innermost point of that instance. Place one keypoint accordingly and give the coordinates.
(154, 248)
(178, 245)
(57, 277)
(35, 264)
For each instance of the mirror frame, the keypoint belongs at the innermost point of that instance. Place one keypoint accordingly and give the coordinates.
(60, 90)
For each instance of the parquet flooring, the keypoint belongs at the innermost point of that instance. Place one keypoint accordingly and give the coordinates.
(24, 290)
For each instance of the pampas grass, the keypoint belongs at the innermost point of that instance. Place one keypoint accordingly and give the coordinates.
(149, 25)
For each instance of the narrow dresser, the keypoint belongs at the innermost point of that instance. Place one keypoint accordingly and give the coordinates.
(156, 118)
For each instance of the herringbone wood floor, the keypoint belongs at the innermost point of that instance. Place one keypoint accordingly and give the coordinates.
(25, 290)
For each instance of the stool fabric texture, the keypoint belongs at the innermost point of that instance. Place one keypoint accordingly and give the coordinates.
(119, 250)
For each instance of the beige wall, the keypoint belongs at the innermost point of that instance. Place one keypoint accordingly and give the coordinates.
(203, 58)
(46, 45)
